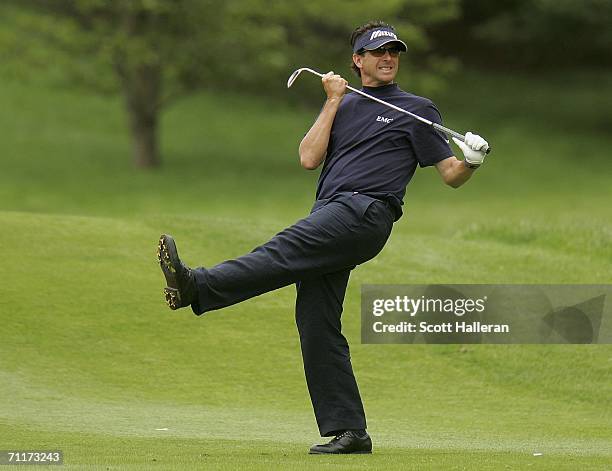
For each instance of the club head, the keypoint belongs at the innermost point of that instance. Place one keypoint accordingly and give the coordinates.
(294, 76)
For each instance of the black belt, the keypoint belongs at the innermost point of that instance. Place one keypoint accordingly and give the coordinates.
(389, 200)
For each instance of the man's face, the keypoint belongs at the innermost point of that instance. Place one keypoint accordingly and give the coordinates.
(378, 67)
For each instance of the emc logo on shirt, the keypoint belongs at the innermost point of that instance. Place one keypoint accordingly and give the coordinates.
(383, 119)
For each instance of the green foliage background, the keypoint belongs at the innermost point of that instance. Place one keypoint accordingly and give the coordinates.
(248, 44)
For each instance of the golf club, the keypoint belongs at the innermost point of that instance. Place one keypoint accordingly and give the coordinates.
(437, 126)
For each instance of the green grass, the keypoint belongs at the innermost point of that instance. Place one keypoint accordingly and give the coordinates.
(92, 362)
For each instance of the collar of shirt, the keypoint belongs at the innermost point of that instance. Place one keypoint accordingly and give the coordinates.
(380, 91)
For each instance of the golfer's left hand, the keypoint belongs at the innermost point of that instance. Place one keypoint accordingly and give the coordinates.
(474, 148)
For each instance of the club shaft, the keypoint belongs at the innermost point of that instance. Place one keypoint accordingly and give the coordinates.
(417, 117)
(436, 126)
(401, 110)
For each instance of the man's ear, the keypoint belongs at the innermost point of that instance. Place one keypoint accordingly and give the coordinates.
(357, 60)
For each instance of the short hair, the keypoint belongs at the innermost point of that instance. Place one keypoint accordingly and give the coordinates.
(372, 24)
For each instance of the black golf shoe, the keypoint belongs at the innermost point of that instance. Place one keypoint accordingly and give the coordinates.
(348, 442)
(181, 289)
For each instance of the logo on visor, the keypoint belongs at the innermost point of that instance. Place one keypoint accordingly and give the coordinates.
(379, 33)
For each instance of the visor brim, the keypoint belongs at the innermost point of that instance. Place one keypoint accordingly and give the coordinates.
(381, 42)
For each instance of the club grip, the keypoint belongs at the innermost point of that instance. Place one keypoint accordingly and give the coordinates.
(452, 133)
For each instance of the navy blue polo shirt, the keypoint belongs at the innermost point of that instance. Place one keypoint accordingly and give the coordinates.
(375, 150)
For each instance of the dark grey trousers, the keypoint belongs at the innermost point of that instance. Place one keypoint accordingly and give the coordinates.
(317, 253)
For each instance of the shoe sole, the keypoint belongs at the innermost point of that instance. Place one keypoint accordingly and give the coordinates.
(168, 259)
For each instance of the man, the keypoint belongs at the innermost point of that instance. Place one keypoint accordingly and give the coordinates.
(369, 155)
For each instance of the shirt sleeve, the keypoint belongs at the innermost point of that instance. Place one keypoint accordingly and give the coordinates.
(430, 146)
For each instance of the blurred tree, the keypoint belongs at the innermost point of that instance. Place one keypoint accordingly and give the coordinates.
(554, 31)
(530, 33)
(151, 46)
(160, 49)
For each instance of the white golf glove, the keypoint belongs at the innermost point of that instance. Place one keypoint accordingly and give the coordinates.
(474, 149)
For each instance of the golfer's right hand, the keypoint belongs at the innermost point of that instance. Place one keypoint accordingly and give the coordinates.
(334, 85)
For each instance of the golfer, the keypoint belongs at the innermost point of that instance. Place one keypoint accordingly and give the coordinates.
(368, 154)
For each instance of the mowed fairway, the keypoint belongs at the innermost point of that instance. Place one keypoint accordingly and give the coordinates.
(92, 362)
